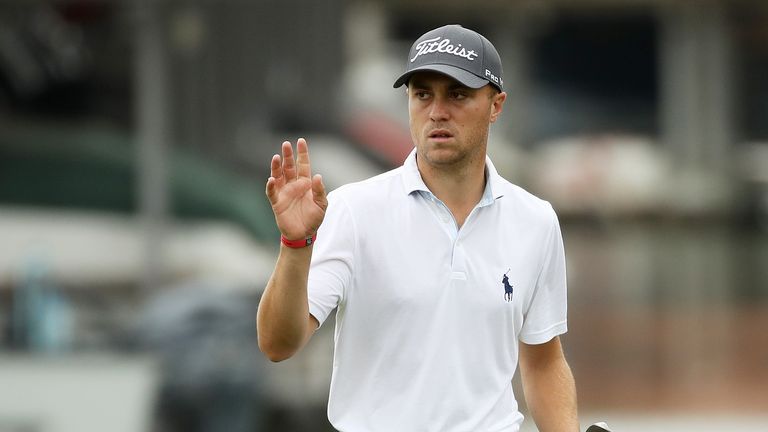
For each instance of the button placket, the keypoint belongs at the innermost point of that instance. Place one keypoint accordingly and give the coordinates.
(444, 216)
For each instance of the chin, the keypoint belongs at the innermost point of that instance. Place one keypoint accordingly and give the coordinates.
(443, 156)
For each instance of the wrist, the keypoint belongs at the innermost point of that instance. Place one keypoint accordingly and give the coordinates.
(300, 243)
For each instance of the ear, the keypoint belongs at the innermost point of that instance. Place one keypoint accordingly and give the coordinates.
(497, 105)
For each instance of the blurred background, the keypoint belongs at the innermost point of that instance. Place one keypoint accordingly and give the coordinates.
(135, 238)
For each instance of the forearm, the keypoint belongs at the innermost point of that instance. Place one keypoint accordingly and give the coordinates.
(283, 316)
(550, 392)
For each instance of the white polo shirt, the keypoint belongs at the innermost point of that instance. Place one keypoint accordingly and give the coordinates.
(426, 331)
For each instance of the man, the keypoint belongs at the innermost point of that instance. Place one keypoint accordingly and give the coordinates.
(443, 274)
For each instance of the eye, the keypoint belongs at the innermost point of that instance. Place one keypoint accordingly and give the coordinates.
(458, 95)
(421, 94)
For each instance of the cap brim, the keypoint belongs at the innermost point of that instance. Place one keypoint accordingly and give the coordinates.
(468, 79)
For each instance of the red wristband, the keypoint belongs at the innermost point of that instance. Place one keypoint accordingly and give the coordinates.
(298, 243)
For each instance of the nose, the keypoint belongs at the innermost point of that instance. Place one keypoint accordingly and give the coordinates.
(439, 109)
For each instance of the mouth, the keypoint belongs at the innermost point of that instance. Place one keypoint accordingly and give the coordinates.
(440, 134)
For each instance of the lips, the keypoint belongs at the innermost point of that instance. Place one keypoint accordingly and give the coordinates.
(440, 133)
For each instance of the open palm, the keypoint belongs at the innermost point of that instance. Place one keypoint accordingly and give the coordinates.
(297, 198)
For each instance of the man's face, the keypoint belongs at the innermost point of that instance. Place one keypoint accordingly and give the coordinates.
(449, 121)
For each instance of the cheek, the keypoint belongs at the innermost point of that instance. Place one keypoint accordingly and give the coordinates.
(417, 114)
(413, 117)
(477, 118)
(415, 123)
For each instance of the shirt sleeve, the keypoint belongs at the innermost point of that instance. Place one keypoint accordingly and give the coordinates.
(330, 271)
(546, 315)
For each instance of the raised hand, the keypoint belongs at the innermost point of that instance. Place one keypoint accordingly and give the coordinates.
(298, 198)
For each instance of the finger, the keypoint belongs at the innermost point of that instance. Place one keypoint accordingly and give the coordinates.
(276, 169)
(302, 158)
(318, 192)
(289, 165)
(271, 190)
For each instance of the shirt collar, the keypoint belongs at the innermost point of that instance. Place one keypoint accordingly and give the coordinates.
(413, 182)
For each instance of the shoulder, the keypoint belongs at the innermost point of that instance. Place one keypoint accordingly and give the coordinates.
(368, 201)
(370, 191)
(523, 202)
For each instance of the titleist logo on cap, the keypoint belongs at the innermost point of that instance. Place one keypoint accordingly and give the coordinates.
(444, 46)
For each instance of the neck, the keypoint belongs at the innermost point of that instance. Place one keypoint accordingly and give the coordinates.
(458, 188)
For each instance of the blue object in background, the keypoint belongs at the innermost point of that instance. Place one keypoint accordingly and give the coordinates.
(42, 319)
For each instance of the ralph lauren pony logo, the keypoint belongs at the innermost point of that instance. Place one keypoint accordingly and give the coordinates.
(507, 287)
